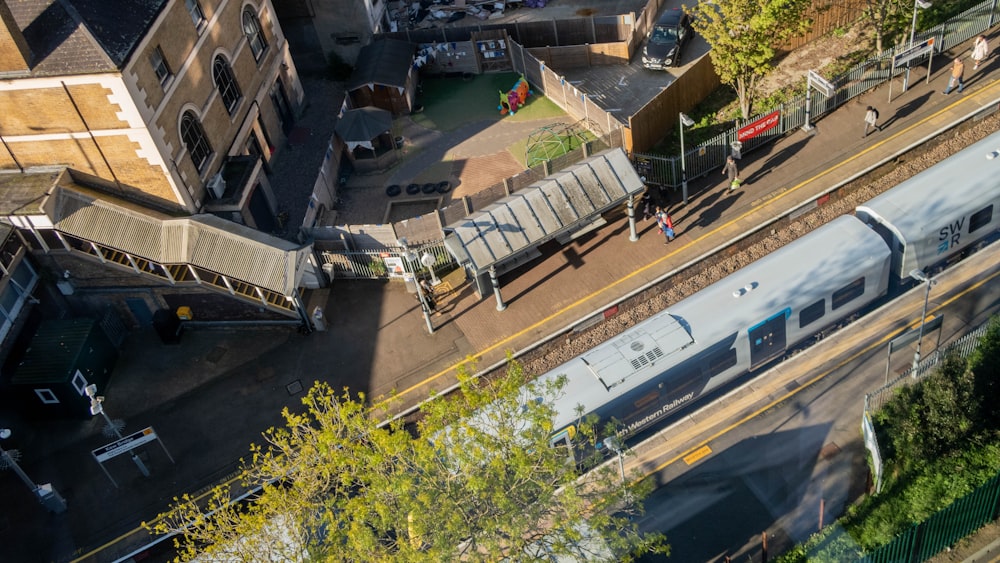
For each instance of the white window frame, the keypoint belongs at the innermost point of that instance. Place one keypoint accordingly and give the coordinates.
(47, 396)
(197, 14)
(255, 36)
(80, 383)
(160, 67)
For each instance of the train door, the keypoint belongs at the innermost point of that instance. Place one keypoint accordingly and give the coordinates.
(564, 440)
(767, 339)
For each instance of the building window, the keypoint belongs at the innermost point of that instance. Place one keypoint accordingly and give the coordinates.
(226, 84)
(251, 28)
(79, 383)
(160, 66)
(194, 139)
(47, 396)
(197, 16)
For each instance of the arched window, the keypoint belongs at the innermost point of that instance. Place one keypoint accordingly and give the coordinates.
(224, 81)
(194, 139)
(251, 28)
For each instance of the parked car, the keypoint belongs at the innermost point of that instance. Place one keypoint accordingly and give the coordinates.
(666, 40)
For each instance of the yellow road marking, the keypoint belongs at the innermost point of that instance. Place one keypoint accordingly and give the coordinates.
(697, 454)
(657, 262)
(577, 303)
(809, 383)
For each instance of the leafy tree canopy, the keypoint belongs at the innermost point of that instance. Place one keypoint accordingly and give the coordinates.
(477, 481)
(743, 36)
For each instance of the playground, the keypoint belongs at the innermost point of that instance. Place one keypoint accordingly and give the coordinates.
(459, 136)
(450, 103)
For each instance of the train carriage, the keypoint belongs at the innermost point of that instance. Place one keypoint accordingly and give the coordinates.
(932, 217)
(736, 325)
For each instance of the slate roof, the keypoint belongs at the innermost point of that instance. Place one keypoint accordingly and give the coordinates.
(385, 62)
(82, 36)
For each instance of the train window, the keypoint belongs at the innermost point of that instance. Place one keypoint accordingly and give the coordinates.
(981, 218)
(848, 293)
(720, 361)
(812, 313)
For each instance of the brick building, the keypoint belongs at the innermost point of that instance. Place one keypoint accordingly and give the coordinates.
(135, 145)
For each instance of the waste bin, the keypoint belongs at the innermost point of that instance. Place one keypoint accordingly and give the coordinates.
(168, 326)
(318, 322)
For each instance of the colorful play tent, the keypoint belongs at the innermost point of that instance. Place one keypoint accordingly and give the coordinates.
(513, 99)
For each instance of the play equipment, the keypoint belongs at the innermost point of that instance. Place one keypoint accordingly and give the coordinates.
(514, 98)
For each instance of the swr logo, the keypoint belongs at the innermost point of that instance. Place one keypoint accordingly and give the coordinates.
(950, 236)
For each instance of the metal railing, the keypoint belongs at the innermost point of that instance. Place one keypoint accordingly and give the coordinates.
(963, 347)
(371, 264)
(945, 527)
(863, 77)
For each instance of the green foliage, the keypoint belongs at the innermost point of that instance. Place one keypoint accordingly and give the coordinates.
(377, 266)
(743, 34)
(477, 481)
(450, 103)
(986, 362)
(940, 440)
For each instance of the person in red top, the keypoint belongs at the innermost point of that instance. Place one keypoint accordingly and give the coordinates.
(665, 223)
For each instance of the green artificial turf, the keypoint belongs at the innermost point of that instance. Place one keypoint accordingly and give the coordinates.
(450, 103)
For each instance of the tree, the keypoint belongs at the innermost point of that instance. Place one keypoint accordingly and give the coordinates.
(881, 14)
(743, 36)
(477, 481)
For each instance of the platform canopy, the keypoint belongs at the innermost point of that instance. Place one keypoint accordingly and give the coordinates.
(565, 202)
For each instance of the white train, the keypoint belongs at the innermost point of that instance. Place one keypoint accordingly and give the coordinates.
(746, 320)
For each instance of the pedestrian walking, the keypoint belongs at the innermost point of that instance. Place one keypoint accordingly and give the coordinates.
(428, 291)
(957, 70)
(665, 223)
(646, 204)
(980, 50)
(871, 120)
(730, 171)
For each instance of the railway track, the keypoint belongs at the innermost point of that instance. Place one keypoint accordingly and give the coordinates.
(744, 251)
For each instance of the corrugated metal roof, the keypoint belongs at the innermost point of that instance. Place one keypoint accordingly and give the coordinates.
(560, 203)
(205, 241)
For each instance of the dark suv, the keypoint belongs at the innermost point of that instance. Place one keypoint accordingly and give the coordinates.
(667, 38)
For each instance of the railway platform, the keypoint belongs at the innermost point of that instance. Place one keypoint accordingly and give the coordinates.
(209, 397)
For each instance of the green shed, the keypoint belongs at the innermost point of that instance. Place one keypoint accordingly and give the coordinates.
(63, 358)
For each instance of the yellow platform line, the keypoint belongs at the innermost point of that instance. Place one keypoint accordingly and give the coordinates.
(708, 234)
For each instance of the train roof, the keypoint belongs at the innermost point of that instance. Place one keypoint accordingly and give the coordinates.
(967, 180)
(816, 264)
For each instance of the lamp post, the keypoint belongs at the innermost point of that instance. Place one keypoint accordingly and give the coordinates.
(923, 5)
(428, 260)
(615, 445)
(420, 291)
(97, 408)
(919, 275)
(685, 121)
(47, 496)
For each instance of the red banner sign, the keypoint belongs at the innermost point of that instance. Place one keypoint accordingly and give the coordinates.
(765, 123)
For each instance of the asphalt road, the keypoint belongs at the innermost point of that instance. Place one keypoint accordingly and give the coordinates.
(796, 459)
